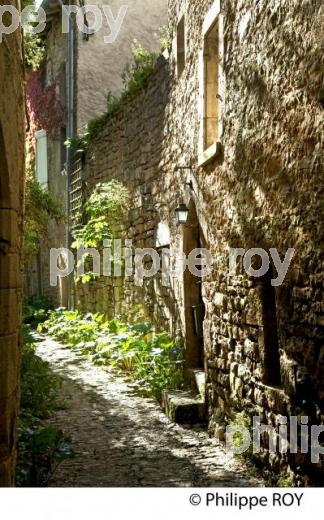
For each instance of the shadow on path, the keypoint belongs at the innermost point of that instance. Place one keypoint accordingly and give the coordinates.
(123, 440)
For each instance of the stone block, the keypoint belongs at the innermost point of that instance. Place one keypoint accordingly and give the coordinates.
(8, 414)
(10, 273)
(10, 236)
(10, 311)
(9, 364)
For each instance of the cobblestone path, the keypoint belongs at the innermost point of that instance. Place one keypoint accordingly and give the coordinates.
(123, 440)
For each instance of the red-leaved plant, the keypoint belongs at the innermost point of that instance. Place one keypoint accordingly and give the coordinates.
(44, 109)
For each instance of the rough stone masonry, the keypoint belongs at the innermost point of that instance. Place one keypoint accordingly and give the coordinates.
(261, 188)
(11, 203)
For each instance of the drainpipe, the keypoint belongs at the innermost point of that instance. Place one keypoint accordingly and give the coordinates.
(70, 132)
(69, 135)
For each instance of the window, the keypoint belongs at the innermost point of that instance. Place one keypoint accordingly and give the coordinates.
(211, 79)
(181, 46)
(211, 85)
(41, 158)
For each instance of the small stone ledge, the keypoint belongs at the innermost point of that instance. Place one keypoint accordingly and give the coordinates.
(184, 407)
(208, 155)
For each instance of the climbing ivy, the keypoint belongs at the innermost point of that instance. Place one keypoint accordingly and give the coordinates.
(44, 108)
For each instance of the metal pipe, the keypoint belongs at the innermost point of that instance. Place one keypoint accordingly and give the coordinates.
(69, 135)
(70, 132)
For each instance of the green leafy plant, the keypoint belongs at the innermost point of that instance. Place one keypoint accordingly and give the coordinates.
(41, 448)
(165, 38)
(39, 388)
(104, 211)
(285, 480)
(36, 310)
(40, 207)
(241, 419)
(34, 51)
(33, 45)
(150, 359)
(78, 143)
(114, 104)
(137, 73)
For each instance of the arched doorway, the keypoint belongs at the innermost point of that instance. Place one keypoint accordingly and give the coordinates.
(194, 308)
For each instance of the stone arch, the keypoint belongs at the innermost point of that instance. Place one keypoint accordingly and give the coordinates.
(194, 309)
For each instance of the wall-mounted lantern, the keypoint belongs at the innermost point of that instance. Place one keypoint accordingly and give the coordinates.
(182, 213)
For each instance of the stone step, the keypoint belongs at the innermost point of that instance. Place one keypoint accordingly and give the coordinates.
(195, 379)
(184, 406)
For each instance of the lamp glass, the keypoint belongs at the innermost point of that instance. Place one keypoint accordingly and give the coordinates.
(182, 213)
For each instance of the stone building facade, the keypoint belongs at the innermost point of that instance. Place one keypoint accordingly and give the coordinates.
(12, 126)
(129, 150)
(82, 89)
(231, 125)
(50, 160)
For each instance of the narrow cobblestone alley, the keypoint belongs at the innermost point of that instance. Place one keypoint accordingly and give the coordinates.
(123, 440)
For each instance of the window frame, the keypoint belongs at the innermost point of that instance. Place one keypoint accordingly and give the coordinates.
(181, 19)
(41, 159)
(206, 154)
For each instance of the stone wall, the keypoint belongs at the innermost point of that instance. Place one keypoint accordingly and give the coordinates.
(100, 64)
(11, 204)
(264, 189)
(129, 150)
